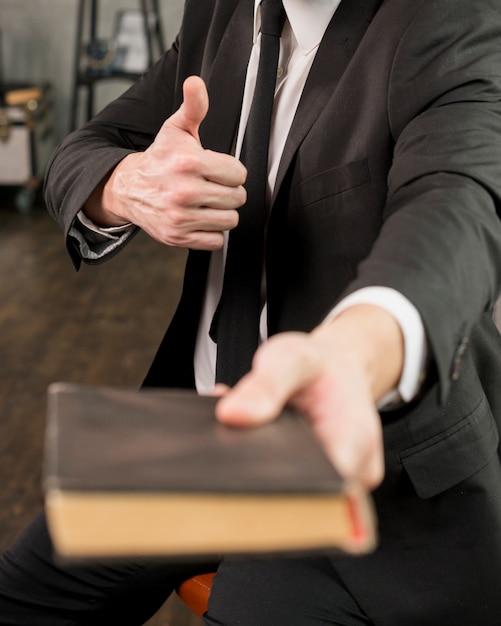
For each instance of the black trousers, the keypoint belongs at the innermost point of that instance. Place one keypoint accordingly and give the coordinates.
(35, 591)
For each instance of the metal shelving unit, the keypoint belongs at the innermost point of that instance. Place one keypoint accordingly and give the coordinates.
(87, 25)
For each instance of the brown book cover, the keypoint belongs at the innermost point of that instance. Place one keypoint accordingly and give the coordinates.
(151, 473)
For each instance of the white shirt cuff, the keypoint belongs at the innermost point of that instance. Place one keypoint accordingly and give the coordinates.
(95, 242)
(415, 343)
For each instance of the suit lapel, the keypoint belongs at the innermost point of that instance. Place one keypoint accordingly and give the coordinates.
(369, 7)
(338, 45)
(226, 78)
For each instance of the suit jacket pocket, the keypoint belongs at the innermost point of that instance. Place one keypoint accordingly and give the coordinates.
(333, 181)
(447, 459)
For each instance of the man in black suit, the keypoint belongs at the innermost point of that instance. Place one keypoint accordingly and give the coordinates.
(382, 267)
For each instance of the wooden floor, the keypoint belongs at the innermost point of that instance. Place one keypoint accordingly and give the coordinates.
(98, 326)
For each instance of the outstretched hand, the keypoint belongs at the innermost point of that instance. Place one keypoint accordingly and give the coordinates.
(334, 376)
(178, 192)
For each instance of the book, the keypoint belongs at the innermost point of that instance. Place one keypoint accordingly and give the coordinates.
(151, 473)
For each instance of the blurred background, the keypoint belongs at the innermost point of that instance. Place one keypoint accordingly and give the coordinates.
(98, 326)
(101, 325)
(40, 38)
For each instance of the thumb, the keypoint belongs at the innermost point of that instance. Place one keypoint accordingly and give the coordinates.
(195, 106)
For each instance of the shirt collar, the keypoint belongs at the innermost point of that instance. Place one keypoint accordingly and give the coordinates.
(308, 19)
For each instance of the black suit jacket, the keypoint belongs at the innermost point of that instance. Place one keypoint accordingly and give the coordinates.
(390, 176)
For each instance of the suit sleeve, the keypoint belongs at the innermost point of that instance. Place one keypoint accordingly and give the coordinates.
(440, 244)
(128, 124)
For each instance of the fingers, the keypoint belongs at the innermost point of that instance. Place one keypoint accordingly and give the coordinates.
(197, 229)
(348, 425)
(194, 108)
(215, 167)
(224, 169)
(330, 390)
(281, 368)
(219, 390)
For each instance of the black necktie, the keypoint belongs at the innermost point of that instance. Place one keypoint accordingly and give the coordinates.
(235, 326)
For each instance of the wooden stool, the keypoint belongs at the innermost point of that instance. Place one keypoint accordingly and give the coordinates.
(195, 592)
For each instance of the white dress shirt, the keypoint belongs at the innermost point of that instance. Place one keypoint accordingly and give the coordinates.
(305, 26)
(306, 23)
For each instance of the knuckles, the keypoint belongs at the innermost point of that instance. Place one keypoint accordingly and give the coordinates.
(184, 163)
(177, 200)
(196, 241)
